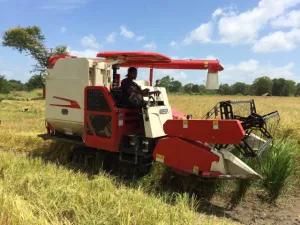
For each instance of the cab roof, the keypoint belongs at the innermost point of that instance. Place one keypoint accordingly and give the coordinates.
(149, 60)
(159, 61)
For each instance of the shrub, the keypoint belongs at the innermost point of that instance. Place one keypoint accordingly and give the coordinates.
(277, 166)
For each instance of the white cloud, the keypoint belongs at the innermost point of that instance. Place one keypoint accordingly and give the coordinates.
(8, 74)
(111, 38)
(140, 38)
(179, 75)
(200, 34)
(292, 19)
(126, 32)
(245, 27)
(249, 70)
(278, 41)
(217, 12)
(173, 44)
(91, 47)
(63, 29)
(211, 57)
(150, 46)
(63, 5)
(89, 53)
(90, 42)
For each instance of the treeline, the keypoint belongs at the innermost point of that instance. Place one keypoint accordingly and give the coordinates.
(7, 86)
(261, 86)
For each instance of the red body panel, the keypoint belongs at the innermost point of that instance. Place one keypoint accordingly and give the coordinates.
(72, 104)
(183, 155)
(123, 122)
(209, 131)
(53, 59)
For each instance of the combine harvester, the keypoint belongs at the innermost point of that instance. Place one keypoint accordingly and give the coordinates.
(83, 105)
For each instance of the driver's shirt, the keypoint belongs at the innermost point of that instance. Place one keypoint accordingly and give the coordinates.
(129, 88)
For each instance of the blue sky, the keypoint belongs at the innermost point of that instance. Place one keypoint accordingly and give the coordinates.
(251, 38)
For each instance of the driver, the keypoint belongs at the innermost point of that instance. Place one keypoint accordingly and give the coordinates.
(132, 93)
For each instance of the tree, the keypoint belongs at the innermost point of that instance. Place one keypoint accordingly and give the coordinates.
(290, 88)
(188, 88)
(239, 88)
(297, 92)
(30, 40)
(202, 89)
(224, 89)
(164, 82)
(34, 82)
(175, 86)
(282, 87)
(278, 86)
(262, 85)
(16, 85)
(170, 84)
(4, 86)
(195, 88)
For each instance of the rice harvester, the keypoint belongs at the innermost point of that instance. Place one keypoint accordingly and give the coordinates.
(83, 104)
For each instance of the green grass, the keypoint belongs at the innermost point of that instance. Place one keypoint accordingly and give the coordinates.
(278, 166)
(22, 95)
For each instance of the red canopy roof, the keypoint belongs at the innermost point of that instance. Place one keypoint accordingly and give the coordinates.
(157, 60)
(135, 56)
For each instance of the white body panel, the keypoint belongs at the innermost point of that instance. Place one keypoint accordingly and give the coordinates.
(212, 81)
(67, 79)
(155, 116)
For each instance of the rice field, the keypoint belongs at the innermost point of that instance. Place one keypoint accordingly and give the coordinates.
(288, 107)
(34, 191)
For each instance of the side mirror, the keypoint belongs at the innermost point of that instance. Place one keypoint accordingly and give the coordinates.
(212, 81)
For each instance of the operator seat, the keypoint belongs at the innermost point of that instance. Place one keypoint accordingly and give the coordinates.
(117, 96)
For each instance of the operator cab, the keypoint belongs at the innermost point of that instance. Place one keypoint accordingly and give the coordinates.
(150, 100)
(156, 110)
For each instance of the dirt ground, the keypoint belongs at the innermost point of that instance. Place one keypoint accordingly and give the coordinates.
(251, 211)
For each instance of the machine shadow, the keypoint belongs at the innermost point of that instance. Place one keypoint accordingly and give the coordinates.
(158, 180)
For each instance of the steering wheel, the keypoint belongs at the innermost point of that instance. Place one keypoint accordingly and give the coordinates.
(151, 100)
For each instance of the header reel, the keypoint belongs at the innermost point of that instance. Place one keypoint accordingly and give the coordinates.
(260, 129)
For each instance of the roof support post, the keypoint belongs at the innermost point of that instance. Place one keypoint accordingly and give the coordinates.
(151, 76)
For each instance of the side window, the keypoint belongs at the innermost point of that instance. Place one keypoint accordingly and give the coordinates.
(96, 101)
(102, 125)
